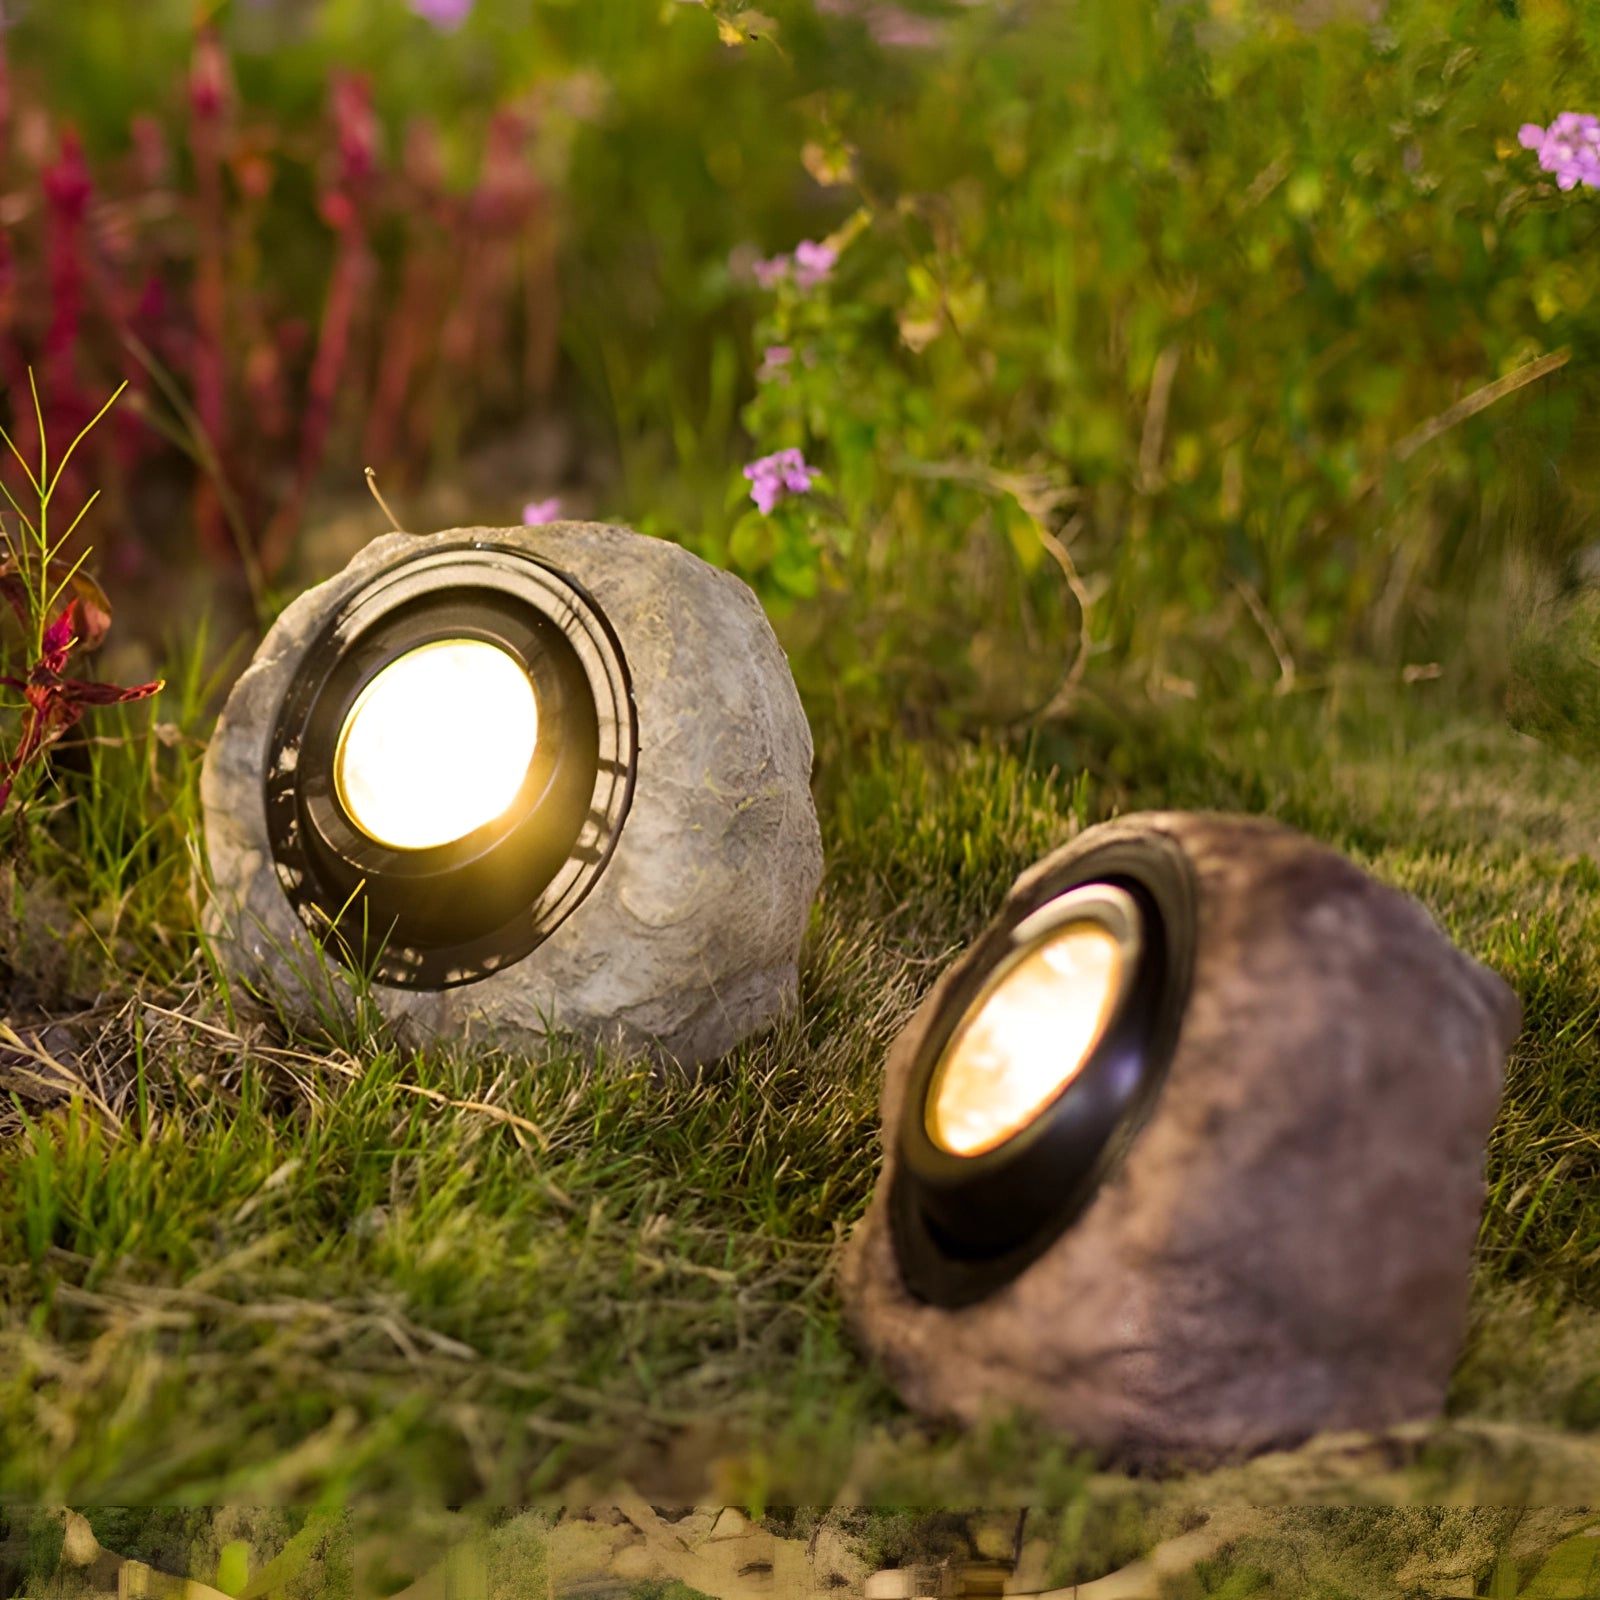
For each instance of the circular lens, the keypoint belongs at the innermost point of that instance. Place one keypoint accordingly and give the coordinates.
(437, 744)
(1026, 1039)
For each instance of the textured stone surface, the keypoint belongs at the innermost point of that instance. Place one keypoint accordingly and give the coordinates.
(1287, 1247)
(690, 938)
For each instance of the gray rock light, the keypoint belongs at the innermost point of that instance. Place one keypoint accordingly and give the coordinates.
(1276, 1236)
(656, 895)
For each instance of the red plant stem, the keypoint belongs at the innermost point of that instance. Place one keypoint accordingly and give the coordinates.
(351, 269)
(422, 426)
(459, 334)
(120, 297)
(261, 374)
(67, 190)
(505, 196)
(543, 302)
(129, 432)
(210, 284)
(401, 354)
(12, 365)
(5, 102)
(490, 327)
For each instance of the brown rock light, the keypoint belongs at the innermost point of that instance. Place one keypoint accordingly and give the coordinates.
(1284, 1246)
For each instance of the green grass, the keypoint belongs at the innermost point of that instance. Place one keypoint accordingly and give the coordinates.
(1571, 1571)
(240, 1266)
(243, 1264)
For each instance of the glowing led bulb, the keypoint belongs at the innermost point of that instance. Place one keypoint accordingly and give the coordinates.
(437, 744)
(1028, 1039)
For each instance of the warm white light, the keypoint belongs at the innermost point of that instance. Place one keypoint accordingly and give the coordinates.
(437, 744)
(1017, 1050)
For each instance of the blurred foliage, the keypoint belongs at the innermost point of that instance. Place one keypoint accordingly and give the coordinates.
(1555, 691)
(45, 1537)
(1097, 1535)
(1329, 1552)
(1145, 349)
(1169, 296)
(161, 1536)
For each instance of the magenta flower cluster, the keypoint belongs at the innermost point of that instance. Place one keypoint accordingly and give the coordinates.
(889, 25)
(811, 263)
(446, 15)
(775, 364)
(1569, 147)
(538, 512)
(774, 476)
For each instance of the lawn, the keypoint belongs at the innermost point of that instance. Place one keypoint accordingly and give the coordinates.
(1182, 406)
(243, 1265)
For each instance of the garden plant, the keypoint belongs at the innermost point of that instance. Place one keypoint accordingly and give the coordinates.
(1114, 405)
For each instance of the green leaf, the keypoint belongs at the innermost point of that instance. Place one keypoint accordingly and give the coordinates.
(233, 1567)
(1023, 532)
(1303, 195)
(1378, 391)
(794, 570)
(752, 543)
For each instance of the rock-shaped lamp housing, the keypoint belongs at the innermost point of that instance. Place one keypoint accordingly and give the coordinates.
(1238, 1203)
(520, 781)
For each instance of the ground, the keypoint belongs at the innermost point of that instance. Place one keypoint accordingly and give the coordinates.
(247, 1265)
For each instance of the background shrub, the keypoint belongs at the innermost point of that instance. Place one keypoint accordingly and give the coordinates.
(1149, 346)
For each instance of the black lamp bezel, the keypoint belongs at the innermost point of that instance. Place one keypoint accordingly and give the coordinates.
(964, 1226)
(451, 914)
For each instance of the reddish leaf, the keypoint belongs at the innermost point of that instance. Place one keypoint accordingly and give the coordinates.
(59, 639)
(210, 81)
(107, 694)
(95, 615)
(56, 704)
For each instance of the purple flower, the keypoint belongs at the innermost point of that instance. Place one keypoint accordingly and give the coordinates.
(812, 263)
(774, 361)
(446, 15)
(538, 512)
(1569, 147)
(896, 29)
(774, 476)
(769, 273)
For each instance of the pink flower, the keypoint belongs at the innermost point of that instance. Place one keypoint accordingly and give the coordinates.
(889, 25)
(896, 29)
(774, 361)
(812, 263)
(1569, 147)
(538, 512)
(775, 476)
(445, 15)
(770, 273)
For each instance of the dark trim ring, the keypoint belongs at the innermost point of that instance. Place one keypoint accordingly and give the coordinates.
(454, 913)
(964, 1226)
